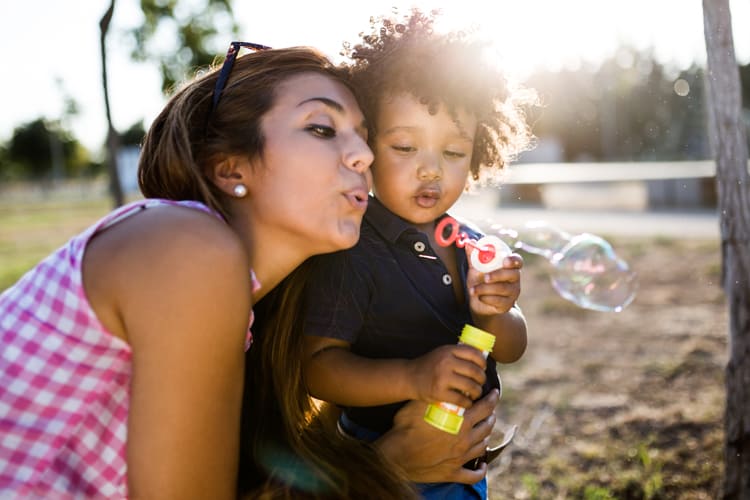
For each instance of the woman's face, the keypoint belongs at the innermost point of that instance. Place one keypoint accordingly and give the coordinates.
(422, 161)
(310, 184)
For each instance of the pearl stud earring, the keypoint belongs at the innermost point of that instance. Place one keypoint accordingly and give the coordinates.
(240, 190)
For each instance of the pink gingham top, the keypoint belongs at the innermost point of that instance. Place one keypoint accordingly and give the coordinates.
(64, 380)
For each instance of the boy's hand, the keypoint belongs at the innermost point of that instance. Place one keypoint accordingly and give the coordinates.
(495, 292)
(451, 373)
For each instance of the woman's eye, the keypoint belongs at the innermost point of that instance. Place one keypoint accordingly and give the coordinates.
(322, 131)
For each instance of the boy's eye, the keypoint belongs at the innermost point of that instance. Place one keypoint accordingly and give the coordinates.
(404, 149)
(455, 154)
(322, 131)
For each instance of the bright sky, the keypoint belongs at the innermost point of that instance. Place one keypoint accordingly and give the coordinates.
(51, 49)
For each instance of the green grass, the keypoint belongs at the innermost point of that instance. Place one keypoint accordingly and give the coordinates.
(32, 227)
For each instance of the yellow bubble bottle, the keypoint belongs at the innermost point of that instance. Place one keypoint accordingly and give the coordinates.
(446, 416)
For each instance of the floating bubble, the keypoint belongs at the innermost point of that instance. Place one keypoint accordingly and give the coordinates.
(588, 273)
(540, 238)
(535, 237)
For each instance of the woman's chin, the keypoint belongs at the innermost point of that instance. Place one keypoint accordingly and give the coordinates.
(341, 237)
(348, 235)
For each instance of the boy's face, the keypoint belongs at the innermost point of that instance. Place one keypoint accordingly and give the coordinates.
(421, 161)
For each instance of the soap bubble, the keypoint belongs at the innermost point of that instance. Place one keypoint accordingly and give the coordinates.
(588, 272)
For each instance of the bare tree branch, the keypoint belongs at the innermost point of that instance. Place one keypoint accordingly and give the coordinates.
(115, 186)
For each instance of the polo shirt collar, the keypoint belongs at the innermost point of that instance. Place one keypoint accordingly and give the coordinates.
(389, 225)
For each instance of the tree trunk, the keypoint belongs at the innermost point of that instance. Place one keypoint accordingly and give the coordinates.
(113, 138)
(730, 149)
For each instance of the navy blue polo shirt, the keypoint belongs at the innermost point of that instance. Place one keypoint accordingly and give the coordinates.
(390, 296)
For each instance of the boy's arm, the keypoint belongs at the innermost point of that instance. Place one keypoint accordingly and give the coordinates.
(333, 373)
(509, 330)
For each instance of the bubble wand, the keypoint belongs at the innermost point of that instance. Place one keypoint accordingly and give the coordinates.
(487, 253)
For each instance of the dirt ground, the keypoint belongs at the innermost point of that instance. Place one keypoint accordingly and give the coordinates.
(622, 405)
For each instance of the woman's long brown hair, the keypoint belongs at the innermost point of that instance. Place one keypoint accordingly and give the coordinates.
(289, 449)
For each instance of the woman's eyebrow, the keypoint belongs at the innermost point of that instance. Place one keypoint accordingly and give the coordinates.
(326, 101)
(336, 106)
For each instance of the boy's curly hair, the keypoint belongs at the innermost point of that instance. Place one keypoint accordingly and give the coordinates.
(442, 69)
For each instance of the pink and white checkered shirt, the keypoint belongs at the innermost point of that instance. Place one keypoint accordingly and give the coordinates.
(64, 381)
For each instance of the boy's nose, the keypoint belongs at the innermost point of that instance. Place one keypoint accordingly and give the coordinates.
(429, 168)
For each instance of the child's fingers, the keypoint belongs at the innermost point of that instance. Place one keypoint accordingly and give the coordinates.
(501, 288)
(455, 397)
(468, 376)
(494, 298)
(476, 279)
(494, 304)
(472, 354)
(502, 275)
(513, 261)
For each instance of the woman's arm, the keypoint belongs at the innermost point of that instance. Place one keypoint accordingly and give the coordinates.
(427, 454)
(183, 302)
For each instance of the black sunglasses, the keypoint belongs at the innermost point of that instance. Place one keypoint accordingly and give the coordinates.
(221, 82)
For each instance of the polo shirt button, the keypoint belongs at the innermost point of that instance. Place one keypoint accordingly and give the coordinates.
(419, 246)
(447, 280)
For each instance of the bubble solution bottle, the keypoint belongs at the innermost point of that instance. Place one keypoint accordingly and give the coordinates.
(446, 416)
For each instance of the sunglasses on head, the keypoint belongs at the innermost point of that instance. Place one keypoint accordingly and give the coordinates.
(226, 68)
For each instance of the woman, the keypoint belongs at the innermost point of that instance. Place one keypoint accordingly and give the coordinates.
(122, 358)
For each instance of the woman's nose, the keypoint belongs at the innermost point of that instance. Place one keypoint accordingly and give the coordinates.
(360, 156)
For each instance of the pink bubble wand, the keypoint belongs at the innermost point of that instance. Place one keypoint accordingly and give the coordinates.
(487, 253)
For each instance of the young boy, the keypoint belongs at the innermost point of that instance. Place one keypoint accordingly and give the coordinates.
(383, 318)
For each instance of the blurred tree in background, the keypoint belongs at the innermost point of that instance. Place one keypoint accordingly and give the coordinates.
(187, 31)
(629, 108)
(134, 135)
(178, 36)
(189, 34)
(175, 25)
(44, 150)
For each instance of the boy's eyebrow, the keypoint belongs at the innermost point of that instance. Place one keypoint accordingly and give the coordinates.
(336, 106)
(400, 127)
(463, 135)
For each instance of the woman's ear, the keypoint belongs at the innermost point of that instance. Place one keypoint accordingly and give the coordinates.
(232, 176)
